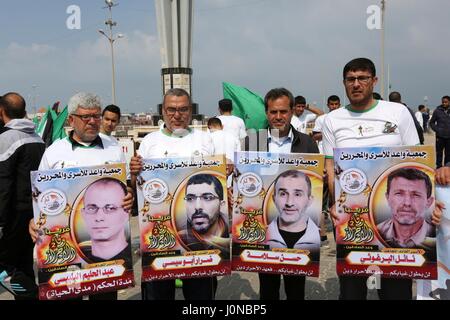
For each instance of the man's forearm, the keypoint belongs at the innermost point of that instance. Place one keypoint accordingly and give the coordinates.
(315, 110)
(329, 166)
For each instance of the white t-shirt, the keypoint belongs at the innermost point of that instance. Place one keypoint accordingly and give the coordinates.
(160, 144)
(419, 118)
(225, 143)
(299, 123)
(61, 154)
(386, 124)
(106, 137)
(318, 127)
(233, 125)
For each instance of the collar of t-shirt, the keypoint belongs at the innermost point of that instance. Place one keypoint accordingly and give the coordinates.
(75, 144)
(182, 134)
(351, 109)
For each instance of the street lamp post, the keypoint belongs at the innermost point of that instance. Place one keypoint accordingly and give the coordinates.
(34, 86)
(383, 10)
(110, 23)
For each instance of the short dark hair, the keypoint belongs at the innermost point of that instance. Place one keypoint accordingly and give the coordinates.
(177, 92)
(410, 174)
(360, 64)
(333, 98)
(446, 97)
(294, 174)
(208, 179)
(299, 100)
(226, 105)
(214, 122)
(112, 108)
(421, 107)
(377, 96)
(278, 93)
(14, 105)
(108, 180)
(395, 96)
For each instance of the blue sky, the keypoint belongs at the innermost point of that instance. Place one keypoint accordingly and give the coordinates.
(260, 44)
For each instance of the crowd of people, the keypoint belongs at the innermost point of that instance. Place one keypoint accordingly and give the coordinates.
(360, 124)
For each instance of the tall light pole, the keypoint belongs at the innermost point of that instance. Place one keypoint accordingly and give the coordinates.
(34, 86)
(110, 23)
(383, 8)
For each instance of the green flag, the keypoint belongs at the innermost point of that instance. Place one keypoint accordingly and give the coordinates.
(41, 125)
(58, 124)
(246, 105)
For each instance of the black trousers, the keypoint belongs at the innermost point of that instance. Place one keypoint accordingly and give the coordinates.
(355, 288)
(269, 287)
(193, 289)
(442, 148)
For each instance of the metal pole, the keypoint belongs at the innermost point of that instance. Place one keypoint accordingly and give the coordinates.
(34, 98)
(111, 40)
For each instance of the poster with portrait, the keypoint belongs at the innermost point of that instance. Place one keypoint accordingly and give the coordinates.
(276, 213)
(439, 289)
(384, 200)
(183, 218)
(84, 243)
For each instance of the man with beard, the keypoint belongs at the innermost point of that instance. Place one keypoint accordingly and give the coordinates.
(206, 227)
(175, 139)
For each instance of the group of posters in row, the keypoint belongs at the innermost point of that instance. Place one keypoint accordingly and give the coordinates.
(189, 226)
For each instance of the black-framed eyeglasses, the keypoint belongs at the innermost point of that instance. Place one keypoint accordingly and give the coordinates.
(206, 197)
(361, 79)
(88, 117)
(172, 110)
(92, 209)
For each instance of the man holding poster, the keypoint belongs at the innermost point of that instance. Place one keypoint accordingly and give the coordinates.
(84, 147)
(175, 139)
(366, 122)
(281, 137)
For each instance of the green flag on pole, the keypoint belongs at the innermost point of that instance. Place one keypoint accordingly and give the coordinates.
(246, 105)
(41, 125)
(58, 124)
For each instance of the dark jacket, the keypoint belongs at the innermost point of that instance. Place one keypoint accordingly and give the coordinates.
(21, 150)
(440, 122)
(301, 143)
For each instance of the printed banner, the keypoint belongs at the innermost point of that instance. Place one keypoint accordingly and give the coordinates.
(84, 246)
(439, 289)
(276, 213)
(384, 200)
(183, 218)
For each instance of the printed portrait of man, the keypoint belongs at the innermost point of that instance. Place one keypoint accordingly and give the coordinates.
(293, 228)
(409, 197)
(206, 213)
(106, 221)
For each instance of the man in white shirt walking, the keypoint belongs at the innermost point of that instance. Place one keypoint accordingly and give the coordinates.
(230, 123)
